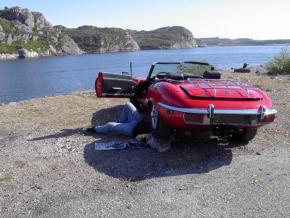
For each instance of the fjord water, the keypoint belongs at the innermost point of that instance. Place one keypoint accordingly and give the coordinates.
(30, 78)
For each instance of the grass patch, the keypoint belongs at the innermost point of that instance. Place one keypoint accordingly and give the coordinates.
(5, 48)
(37, 46)
(6, 178)
(280, 64)
(155, 43)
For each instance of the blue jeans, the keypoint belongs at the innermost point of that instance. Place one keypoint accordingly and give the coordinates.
(129, 119)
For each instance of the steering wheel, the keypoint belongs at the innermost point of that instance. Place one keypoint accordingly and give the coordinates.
(160, 75)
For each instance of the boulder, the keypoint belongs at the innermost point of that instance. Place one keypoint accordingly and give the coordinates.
(8, 56)
(52, 50)
(24, 53)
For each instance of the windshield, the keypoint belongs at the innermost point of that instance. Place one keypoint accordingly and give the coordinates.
(180, 69)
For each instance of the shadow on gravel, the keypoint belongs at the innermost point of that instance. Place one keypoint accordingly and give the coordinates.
(100, 117)
(62, 134)
(141, 164)
(198, 156)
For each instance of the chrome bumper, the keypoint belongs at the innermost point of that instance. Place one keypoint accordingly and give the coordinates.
(255, 115)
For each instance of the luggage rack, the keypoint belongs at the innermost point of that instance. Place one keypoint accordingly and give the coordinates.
(227, 84)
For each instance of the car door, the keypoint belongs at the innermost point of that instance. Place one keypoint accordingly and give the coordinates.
(114, 85)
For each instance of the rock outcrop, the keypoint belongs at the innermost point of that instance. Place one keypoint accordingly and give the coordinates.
(29, 34)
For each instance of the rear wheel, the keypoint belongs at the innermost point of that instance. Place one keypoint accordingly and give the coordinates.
(158, 127)
(245, 135)
(136, 104)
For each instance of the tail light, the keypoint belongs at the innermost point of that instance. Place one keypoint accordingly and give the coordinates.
(99, 85)
(267, 118)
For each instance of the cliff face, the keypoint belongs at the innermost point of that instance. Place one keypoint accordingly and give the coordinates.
(23, 30)
(100, 40)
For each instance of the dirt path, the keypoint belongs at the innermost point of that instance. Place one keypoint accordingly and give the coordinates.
(49, 168)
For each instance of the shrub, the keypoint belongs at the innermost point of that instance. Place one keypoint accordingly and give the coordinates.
(280, 64)
(40, 45)
(9, 49)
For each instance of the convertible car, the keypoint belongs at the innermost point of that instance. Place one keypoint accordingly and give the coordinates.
(192, 96)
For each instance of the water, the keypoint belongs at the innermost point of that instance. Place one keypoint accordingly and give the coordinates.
(31, 78)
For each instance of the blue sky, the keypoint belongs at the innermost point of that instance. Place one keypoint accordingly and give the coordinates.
(258, 19)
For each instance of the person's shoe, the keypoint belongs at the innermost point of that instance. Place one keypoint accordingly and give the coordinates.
(89, 130)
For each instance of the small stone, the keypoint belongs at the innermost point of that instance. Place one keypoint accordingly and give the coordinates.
(160, 145)
(12, 104)
(257, 153)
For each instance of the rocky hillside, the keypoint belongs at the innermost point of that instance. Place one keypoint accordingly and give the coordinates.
(24, 33)
(165, 38)
(28, 34)
(92, 39)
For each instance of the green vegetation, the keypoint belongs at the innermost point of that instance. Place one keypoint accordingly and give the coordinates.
(280, 64)
(154, 43)
(5, 48)
(6, 24)
(37, 46)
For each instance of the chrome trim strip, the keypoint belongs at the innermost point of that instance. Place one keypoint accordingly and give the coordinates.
(219, 111)
(116, 95)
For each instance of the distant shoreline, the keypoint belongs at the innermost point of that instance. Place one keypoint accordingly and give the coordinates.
(14, 56)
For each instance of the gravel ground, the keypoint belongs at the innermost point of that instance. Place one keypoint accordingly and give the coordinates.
(50, 169)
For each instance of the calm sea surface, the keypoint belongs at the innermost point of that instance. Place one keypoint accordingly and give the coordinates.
(31, 78)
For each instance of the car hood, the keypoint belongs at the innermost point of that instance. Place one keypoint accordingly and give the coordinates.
(220, 89)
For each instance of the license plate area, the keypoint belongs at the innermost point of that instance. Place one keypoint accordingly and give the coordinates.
(220, 119)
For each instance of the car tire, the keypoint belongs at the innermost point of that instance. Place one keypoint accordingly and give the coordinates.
(136, 104)
(245, 135)
(158, 127)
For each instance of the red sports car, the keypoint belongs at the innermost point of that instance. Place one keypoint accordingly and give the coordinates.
(191, 96)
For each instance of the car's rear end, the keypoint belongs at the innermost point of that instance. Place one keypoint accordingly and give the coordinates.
(212, 104)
